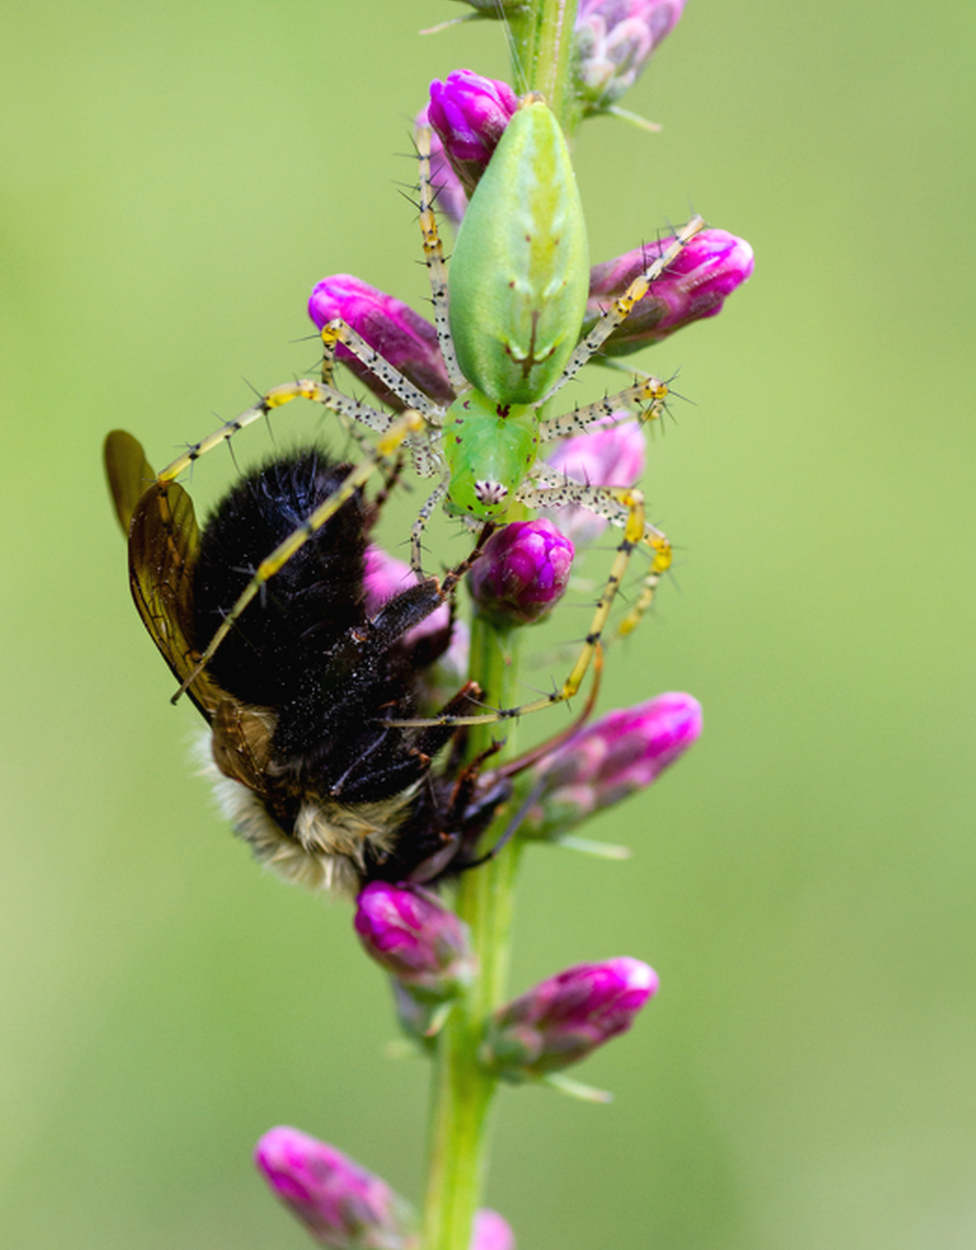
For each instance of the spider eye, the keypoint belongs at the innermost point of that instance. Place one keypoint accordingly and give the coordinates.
(490, 493)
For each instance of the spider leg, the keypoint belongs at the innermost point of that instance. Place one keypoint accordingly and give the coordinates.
(620, 309)
(604, 501)
(417, 529)
(337, 331)
(646, 397)
(434, 260)
(387, 446)
(305, 388)
(618, 500)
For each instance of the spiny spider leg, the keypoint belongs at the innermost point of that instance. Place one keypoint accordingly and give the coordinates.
(621, 308)
(305, 388)
(417, 529)
(633, 502)
(434, 260)
(647, 396)
(387, 446)
(604, 501)
(337, 331)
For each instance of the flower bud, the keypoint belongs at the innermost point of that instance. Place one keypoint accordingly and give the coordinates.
(612, 454)
(522, 573)
(425, 946)
(614, 41)
(491, 1231)
(563, 1019)
(694, 286)
(341, 1204)
(402, 337)
(622, 752)
(469, 114)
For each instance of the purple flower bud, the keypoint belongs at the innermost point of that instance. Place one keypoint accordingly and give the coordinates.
(614, 41)
(469, 114)
(402, 337)
(491, 1231)
(449, 195)
(341, 1204)
(522, 572)
(695, 286)
(612, 454)
(563, 1019)
(622, 752)
(415, 938)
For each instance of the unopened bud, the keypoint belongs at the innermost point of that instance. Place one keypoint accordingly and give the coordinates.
(402, 337)
(341, 1204)
(612, 454)
(563, 1019)
(621, 753)
(694, 286)
(614, 41)
(425, 946)
(469, 114)
(522, 572)
(491, 1231)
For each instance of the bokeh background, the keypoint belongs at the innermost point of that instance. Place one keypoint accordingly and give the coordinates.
(174, 179)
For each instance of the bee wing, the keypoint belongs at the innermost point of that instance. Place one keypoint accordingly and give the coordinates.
(164, 543)
(129, 474)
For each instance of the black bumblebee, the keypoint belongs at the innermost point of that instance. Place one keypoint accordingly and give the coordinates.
(299, 695)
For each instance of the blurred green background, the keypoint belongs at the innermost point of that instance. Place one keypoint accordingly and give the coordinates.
(174, 179)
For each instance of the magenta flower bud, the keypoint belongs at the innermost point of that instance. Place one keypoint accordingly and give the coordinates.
(612, 454)
(622, 752)
(522, 572)
(425, 946)
(562, 1020)
(614, 41)
(469, 113)
(402, 337)
(341, 1204)
(491, 1231)
(694, 287)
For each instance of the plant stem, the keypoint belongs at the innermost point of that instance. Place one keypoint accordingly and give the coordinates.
(462, 1089)
(542, 41)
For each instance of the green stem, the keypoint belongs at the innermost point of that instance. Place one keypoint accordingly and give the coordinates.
(542, 43)
(462, 1090)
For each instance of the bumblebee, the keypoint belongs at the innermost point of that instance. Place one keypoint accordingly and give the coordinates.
(299, 697)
